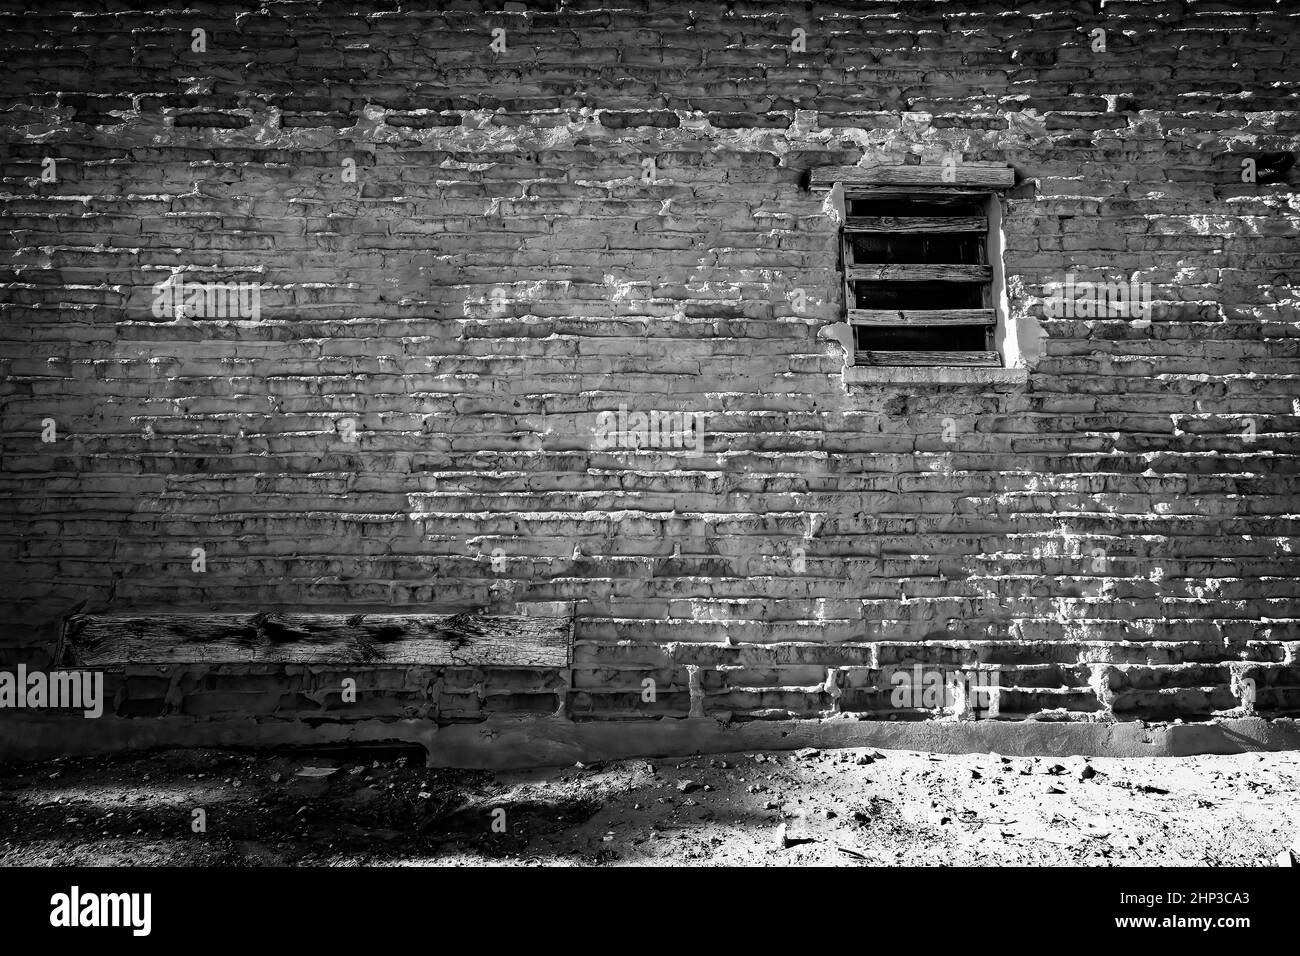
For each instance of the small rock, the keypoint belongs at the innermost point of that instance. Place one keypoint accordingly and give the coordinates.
(1051, 788)
(316, 771)
(1285, 858)
(1056, 770)
(275, 777)
(865, 759)
(807, 753)
(686, 786)
(782, 837)
(1087, 773)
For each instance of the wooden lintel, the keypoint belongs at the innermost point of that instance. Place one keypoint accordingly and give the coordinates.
(994, 177)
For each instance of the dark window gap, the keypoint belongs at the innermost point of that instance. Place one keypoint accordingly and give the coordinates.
(939, 338)
(918, 295)
(891, 248)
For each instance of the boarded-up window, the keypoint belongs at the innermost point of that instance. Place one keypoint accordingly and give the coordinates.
(917, 280)
(920, 267)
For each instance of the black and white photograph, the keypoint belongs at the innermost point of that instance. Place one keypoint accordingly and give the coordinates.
(614, 435)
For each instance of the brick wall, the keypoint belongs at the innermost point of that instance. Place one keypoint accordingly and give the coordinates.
(460, 265)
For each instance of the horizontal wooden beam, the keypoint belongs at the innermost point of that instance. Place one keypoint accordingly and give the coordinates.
(922, 317)
(908, 224)
(876, 357)
(921, 272)
(436, 640)
(955, 196)
(998, 177)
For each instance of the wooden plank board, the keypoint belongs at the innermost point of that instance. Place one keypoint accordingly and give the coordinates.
(954, 196)
(846, 259)
(866, 357)
(436, 640)
(915, 224)
(921, 317)
(921, 272)
(998, 177)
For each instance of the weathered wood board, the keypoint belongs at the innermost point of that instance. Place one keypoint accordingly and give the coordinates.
(436, 640)
(880, 357)
(993, 176)
(895, 225)
(922, 317)
(921, 272)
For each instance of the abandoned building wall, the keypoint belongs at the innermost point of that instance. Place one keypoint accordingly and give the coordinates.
(445, 242)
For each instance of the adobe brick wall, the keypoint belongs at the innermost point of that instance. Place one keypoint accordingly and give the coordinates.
(1119, 532)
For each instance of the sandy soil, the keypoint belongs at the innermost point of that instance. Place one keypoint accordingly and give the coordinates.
(837, 808)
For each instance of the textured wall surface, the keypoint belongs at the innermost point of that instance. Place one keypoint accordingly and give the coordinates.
(460, 262)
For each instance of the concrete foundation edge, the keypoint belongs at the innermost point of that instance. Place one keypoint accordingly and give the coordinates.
(516, 743)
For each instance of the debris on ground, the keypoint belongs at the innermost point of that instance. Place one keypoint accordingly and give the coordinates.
(849, 807)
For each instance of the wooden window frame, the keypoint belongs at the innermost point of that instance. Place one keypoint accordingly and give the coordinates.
(977, 184)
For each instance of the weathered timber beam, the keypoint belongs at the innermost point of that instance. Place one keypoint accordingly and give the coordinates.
(436, 640)
(922, 317)
(993, 176)
(880, 357)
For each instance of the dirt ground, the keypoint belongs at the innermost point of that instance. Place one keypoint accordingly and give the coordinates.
(831, 808)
